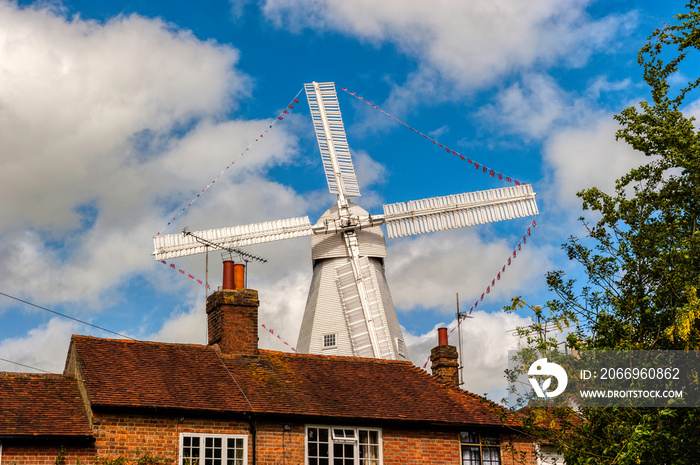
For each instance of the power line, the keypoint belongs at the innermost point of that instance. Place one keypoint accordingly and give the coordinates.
(66, 316)
(23, 365)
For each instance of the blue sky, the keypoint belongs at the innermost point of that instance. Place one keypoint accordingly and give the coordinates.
(114, 115)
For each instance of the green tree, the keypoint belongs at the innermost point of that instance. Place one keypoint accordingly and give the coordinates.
(642, 265)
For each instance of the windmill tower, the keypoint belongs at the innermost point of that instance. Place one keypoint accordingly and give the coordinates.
(349, 310)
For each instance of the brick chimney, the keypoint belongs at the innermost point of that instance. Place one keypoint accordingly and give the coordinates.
(444, 361)
(232, 314)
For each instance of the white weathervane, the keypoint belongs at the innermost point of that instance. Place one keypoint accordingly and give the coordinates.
(349, 310)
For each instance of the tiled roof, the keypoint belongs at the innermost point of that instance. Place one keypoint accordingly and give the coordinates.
(121, 373)
(41, 405)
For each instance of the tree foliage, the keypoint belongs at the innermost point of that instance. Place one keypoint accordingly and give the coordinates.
(641, 259)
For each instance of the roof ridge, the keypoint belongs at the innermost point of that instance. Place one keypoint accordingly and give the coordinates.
(338, 357)
(10, 374)
(136, 341)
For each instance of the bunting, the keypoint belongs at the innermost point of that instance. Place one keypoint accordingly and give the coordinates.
(271, 331)
(522, 241)
(479, 167)
(517, 248)
(184, 273)
(280, 117)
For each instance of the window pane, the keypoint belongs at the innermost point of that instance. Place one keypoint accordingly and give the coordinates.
(323, 435)
(470, 455)
(468, 437)
(490, 440)
(491, 455)
(374, 437)
(190, 448)
(234, 451)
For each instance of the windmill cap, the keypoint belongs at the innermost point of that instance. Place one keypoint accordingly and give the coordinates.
(370, 240)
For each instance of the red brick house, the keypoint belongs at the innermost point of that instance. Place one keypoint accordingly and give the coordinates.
(230, 403)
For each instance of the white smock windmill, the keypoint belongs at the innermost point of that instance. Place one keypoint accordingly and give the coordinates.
(349, 310)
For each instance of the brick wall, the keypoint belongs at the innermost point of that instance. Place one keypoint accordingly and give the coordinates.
(417, 447)
(438, 448)
(278, 443)
(518, 450)
(232, 318)
(44, 454)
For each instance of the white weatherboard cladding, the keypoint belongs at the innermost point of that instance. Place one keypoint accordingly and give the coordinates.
(370, 240)
(459, 210)
(325, 313)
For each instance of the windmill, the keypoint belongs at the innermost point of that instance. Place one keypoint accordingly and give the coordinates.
(349, 310)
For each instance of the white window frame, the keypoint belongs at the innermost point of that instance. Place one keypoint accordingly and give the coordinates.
(335, 341)
(334, 438)
(202, 438)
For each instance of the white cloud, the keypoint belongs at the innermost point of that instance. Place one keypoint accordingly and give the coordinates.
(469, 43)
(587, 156)
(184, 327)
(486, 340)
(107, 129)
(44, 347)
(532, 107)
(74, 93)
(426, 272)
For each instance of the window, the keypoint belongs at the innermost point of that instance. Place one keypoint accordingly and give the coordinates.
(327, 445)
(213, 449)
(480, 449)
(329, 340)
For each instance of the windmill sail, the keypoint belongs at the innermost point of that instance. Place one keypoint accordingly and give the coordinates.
(459, 210)
(180, 245)
(332, 141)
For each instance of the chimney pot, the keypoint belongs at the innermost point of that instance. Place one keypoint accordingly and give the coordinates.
(239, 276)
(228, 279)
(442, 337)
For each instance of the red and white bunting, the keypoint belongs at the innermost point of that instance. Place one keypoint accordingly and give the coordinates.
(184, 273)
(271, 331)
(280, 117)
(492, 173)
(522, 241)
